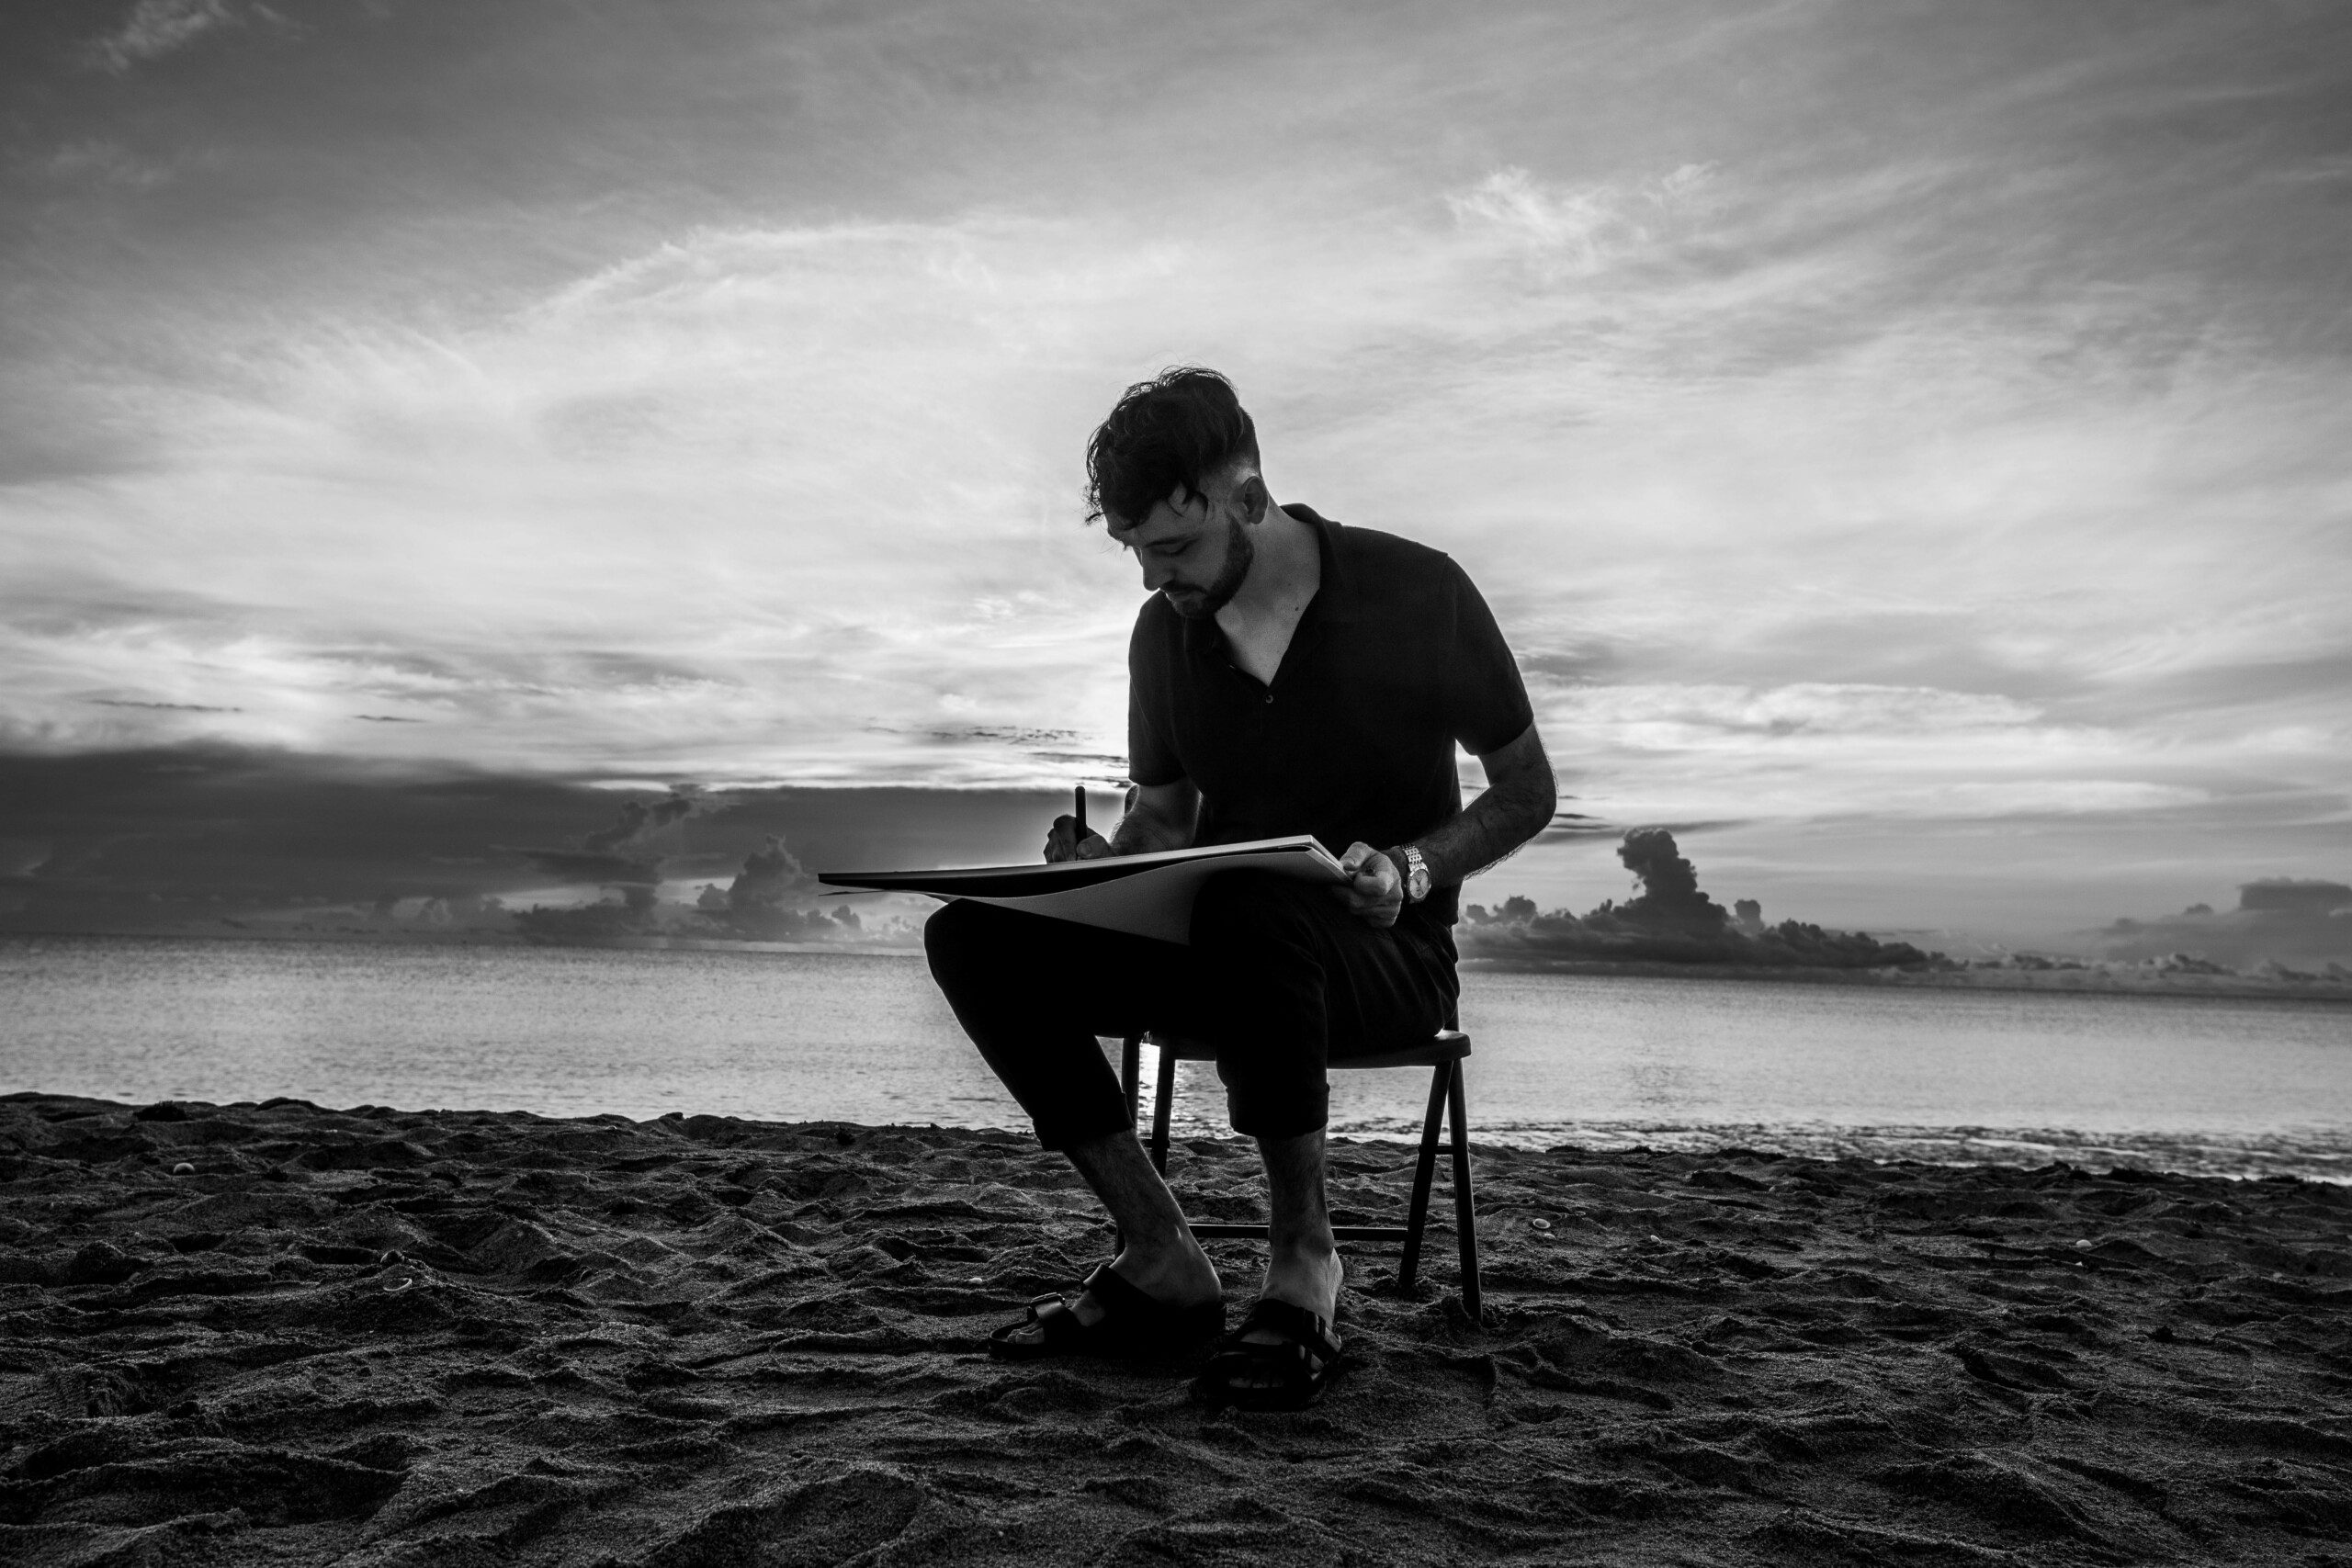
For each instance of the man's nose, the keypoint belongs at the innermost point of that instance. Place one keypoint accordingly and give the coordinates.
(1156, 572)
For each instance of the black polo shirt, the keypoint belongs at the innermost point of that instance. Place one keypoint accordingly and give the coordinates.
(1396, 658)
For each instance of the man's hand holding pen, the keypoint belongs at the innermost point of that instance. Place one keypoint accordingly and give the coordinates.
(1071, 839)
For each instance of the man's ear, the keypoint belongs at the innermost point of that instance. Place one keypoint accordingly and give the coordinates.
(1251, 496)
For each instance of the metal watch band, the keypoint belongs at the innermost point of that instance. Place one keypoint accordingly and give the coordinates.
(1417, 873)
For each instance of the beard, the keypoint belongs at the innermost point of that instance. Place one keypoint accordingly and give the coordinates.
(1200, 603)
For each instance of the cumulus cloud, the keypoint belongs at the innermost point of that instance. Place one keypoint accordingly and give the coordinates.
(1670, 921)
(627, 855)
(773, 898)
(2278, 920)
(770, 875)
(1671, 899)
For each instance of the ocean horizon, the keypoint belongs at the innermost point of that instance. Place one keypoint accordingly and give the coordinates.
(2232, 1086)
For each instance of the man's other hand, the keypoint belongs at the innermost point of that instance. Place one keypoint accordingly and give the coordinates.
(1063, 843)
(1375, 889)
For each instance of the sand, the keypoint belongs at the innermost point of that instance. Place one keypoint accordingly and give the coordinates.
(450, 1337)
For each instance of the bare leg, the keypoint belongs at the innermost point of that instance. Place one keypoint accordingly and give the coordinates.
(1302, 1260)
(1158, 1256)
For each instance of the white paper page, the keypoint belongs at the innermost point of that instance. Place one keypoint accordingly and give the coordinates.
(1158, 902)
(1148, 895)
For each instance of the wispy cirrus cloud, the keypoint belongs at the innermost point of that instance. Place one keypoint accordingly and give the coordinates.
(158, 28)
(100, 162)
(1577, 231)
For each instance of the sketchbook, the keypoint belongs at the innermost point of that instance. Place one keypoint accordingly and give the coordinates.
(1145, 895)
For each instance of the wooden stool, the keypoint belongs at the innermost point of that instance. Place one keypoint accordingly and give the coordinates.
(1442, 1054)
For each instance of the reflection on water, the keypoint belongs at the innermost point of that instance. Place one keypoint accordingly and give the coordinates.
(2200, 1084)
(1659, 1087)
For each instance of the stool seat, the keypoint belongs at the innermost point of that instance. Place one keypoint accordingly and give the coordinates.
(1445, 1045)
(1443, 1053)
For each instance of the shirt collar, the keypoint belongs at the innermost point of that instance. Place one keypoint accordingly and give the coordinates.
(1335, 599)
(1335, 596)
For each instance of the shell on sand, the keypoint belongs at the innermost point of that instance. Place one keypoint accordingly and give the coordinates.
(446, 1337)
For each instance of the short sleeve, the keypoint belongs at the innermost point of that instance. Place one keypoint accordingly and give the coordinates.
(1151, 752)
(1485, 700)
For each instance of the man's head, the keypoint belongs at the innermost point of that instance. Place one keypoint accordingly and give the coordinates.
(1173, 474)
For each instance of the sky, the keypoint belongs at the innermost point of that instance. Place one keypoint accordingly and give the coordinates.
(1907, 445)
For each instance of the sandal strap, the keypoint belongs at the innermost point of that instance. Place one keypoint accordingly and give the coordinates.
(1302, 1361)
(1122, 1301)
(1295, 1324)
(1131, 1322)
(1052, 1317)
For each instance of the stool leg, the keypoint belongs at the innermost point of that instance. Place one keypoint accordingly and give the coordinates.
(1160, 1110)
(1130, 1084)
(1465, 1218)
(1417, 1216)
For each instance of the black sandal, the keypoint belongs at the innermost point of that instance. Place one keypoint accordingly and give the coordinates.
(1133, 1326)
(1304, 1361)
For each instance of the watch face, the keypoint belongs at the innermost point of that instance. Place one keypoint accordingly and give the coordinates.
(1417, 878)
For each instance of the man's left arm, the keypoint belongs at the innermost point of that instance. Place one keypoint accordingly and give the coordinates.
(1519, 799)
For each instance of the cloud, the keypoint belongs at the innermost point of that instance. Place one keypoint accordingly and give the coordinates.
(108, 164)
(772, 899)
(641, 824)
(144, 839)
(2327, 169)
(727, 372)
(1669, 921)
(1827, 750)
(769, 875)
(627, 855)
(1577, 825)
(2278, 921)
(1671, 899)
(1697, 714)
(161, 707)
(158, 28)
(2040, 797)
(1575, 231)
(709, 405)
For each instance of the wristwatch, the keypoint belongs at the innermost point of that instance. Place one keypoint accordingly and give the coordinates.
(1417, 871)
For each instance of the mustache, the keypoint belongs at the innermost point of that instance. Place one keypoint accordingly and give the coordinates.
(1193, 603)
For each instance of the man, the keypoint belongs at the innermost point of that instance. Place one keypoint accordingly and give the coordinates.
(1288, 676)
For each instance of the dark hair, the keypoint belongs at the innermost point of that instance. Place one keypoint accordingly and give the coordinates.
(1174, 430)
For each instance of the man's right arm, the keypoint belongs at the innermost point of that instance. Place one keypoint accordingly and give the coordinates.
(1162, 817)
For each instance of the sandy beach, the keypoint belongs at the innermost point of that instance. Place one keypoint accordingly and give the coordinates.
(454, 1338)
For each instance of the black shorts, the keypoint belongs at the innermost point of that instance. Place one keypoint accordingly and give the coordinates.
(1280, 977)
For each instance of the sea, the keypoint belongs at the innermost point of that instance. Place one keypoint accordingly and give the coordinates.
(2247, 1088)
